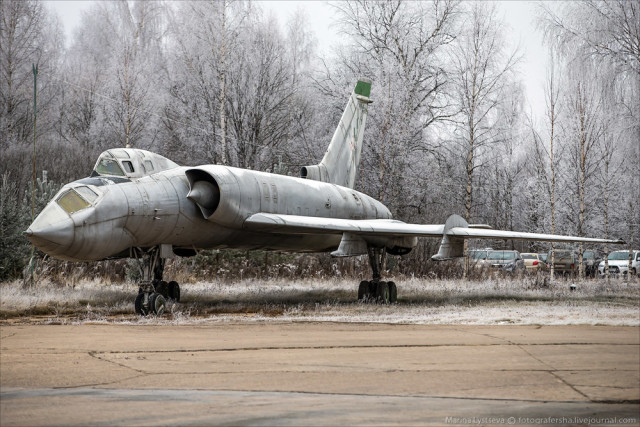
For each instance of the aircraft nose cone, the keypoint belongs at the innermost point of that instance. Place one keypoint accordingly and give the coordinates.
(51, 232)
(59, 235)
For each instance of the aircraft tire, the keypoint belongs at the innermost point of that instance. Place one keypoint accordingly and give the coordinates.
(393, 292)
(157, 303)
(363, 290)
(372, 289)
(382, 292)
(174, 291)
(140, 310)
(163, 289)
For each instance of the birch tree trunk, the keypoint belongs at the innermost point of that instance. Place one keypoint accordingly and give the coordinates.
(223, 84)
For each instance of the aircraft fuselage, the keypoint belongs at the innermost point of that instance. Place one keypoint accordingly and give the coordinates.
(154, 210)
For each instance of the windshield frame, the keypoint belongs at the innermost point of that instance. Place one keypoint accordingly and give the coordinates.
(71, 201)
(102, 169)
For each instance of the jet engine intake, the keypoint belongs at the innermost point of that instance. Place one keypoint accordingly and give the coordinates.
(205, 192)
(216, 190)
(315, 172)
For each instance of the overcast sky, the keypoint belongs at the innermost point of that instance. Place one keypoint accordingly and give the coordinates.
(518, 15)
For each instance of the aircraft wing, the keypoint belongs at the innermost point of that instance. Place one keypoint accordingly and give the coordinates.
(453, 232)
(294, 224)
(472, 233)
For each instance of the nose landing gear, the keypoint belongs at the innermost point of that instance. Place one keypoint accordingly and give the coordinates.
(153, 294)
(150, 303)
(377, 290)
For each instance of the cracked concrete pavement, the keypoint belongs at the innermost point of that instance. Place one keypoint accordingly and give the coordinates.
(316, 374)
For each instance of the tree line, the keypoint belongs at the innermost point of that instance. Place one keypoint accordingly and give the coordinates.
(226, 82)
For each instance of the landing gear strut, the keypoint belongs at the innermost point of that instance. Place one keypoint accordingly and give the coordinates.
(377, 289)
(153, 292)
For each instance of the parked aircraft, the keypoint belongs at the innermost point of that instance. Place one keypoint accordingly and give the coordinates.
(142, 205)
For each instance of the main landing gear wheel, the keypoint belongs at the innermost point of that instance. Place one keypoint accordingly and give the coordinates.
(376, 289)
(393, 292)
(363, 290)
(382, 292)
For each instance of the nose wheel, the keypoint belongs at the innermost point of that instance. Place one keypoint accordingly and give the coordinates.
(153, 294)
(170, 290)
(150, 303)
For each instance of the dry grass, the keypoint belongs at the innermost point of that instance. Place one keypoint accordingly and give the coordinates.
(421, 301)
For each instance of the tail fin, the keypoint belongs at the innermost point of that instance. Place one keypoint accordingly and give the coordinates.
(340, 163)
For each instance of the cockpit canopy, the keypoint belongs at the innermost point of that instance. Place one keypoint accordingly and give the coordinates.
(77, 198)
(131, 163)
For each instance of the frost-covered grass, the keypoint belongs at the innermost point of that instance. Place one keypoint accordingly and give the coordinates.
(420, 301)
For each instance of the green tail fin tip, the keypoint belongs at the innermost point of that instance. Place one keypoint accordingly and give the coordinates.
(363, 87)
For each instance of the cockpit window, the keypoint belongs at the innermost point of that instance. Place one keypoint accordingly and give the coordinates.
(107, 166)
(128, 166)
(148, 165)
(87, 193)
(71, 202)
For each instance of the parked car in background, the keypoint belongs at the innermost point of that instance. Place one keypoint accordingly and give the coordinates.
(478, 257)
(619, 263)
(564, 262)
(543, 257)
(591, 259)
(509, 261)
(533, 263)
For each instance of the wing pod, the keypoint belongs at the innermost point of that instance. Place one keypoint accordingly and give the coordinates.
(452, 246)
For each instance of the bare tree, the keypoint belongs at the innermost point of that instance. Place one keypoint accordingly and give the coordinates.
(114, 72)
(585, 110)
(547, 156)
(508, 157)
(29, 34)
(259, 95)
(606, 35)
(401, 46)
(608, 30)
(609, 176)
(482, 70)
(203, 40)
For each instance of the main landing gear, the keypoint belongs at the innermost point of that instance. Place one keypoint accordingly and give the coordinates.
(377, 289)
(153, 292)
